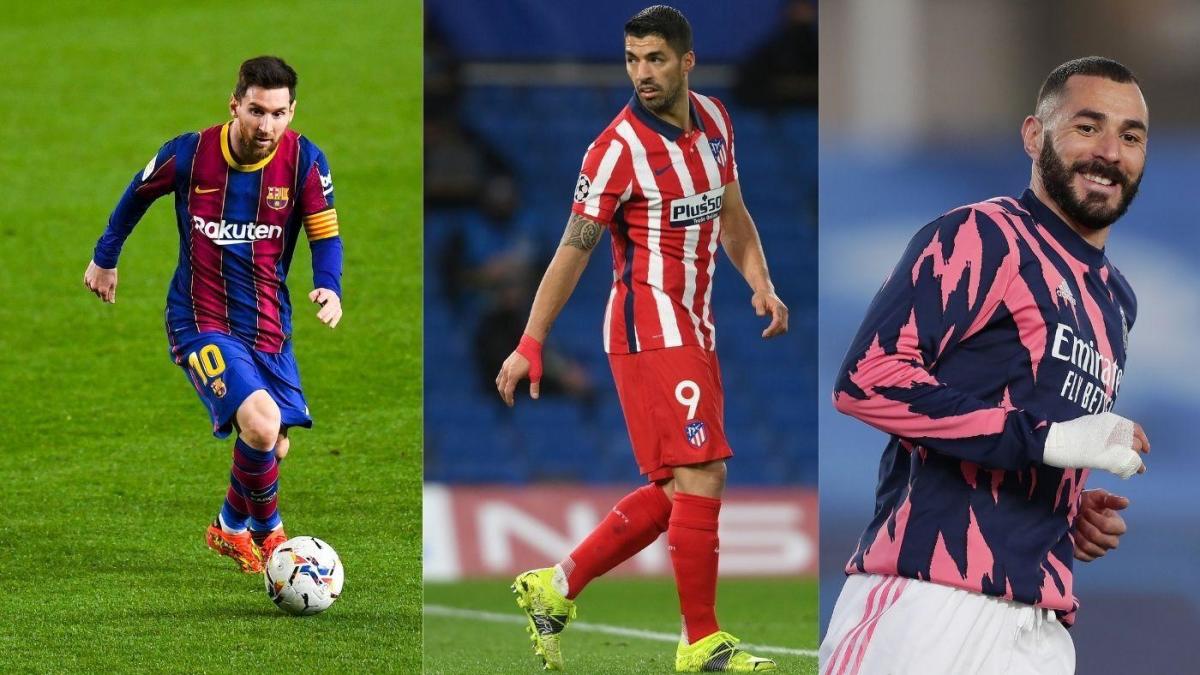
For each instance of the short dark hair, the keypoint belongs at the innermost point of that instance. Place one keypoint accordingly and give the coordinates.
(267, 72)
(665, 22)
(1097, 66)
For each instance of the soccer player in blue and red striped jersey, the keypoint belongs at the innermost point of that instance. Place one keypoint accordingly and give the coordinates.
(993, 356)
(245, 191)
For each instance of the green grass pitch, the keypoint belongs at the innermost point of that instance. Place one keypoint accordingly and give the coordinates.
(475, 626)
(109, 471)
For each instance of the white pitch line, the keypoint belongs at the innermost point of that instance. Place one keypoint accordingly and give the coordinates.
(496, 617)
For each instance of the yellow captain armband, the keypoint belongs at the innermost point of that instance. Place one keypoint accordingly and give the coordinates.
(322, 225)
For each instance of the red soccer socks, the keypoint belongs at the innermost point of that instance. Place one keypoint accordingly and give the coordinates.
(692, 541)
(632, 525)
(255, 477)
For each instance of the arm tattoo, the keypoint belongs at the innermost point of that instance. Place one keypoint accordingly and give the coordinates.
(581, 233)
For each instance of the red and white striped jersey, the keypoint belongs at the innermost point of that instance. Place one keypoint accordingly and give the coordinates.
(659, 191)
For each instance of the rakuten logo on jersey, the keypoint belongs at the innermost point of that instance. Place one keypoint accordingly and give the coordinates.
(697, 209)
(225, 233)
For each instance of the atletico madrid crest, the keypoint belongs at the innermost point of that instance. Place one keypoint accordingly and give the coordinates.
(277, 197)
(697, 434)
(717, 145)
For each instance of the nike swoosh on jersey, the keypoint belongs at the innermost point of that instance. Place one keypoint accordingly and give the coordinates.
(204, 191)
(659, 172)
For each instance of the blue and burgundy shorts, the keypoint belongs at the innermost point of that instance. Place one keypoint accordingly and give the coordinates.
(225, 371)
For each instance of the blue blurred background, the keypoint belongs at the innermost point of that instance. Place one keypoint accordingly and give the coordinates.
(512, 102)
(929, 120)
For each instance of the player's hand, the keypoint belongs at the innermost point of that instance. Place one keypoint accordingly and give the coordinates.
(101, 282)
(766, 302)
(525, 361)
(1106, 441)
(1098, 527)
(331, 306)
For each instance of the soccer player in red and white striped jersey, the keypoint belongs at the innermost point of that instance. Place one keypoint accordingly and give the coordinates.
(662, 179)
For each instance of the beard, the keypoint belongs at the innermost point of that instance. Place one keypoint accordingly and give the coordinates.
(666, 99)
(1092, 211)
(254, 150)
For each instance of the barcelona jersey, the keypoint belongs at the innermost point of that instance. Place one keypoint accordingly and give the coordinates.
(238, 227)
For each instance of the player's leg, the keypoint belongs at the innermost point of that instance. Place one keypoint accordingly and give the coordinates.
(641, 516)
(547, 594)
(632, 524)
(255, 467)
(280, 378)
(693, 543)
(283, 444)
(696, 453)
(224, 375)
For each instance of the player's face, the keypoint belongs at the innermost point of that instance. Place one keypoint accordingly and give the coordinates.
(659, 75)
(262, 116)
(1094, 150)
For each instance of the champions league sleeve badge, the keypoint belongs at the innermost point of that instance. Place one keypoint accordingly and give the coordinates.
(582, 188)
(697, 434)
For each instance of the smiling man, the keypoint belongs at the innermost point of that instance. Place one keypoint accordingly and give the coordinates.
(662, 179)
(243, 190)
(993, 356)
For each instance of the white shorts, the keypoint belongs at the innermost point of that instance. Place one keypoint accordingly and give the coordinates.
(895, 625)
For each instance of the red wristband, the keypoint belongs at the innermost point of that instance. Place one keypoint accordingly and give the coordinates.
(531, 349)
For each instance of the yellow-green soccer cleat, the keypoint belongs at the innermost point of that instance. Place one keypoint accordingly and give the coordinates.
(718, 653)
(549, 613)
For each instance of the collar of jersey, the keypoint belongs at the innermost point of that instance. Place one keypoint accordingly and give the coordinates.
(229, 155)
(1076, 245)
(660, 125)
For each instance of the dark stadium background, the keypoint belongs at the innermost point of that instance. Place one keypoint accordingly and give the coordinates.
(536, 117)
(513, 98)
(949, 135)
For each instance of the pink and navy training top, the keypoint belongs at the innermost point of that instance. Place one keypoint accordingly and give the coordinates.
(660, 192)
(998, 321)
(238, 227)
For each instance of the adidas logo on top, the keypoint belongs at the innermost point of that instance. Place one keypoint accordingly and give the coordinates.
(1064, 292)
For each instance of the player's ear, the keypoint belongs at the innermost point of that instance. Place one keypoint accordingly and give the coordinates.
(233, 104)
(689, 61)
(1032, 136)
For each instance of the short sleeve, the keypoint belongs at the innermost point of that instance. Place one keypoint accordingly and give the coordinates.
(604, 180)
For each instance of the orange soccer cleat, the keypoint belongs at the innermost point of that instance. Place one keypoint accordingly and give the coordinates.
(239, 546)
(273, 540)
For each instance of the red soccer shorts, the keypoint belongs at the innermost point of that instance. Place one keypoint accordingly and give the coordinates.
(674, 407)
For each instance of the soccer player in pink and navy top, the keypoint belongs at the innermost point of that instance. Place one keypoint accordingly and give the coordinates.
(244, 192)
(662, 179)
(993, 356)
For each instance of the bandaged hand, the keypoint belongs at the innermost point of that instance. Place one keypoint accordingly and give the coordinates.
(1106, 441)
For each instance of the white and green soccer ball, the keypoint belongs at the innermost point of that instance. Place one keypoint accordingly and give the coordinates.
(303, 576)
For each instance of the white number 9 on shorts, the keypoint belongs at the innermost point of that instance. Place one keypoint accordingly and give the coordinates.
(687, 393)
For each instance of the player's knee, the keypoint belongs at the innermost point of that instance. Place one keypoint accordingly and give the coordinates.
(716, 473)
(258, 420)
(260, 434)
(707, 479)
